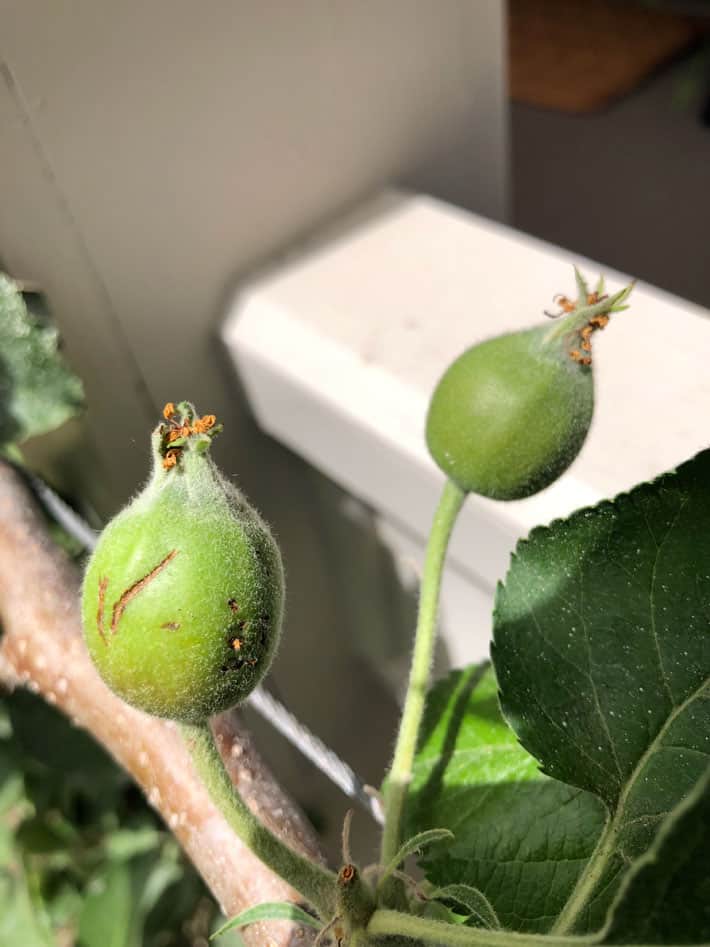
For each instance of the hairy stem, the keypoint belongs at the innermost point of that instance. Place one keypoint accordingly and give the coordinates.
(315, 883)
(400, 773)
(439, 933)
(589, 878)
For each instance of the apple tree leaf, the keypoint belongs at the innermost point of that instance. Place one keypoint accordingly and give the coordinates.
(37, 391)
(665, 896)
(520, 838)
(602, 652)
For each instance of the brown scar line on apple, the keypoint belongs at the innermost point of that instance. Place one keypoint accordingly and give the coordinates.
(171, 625)
(130, 593)
(103, 583)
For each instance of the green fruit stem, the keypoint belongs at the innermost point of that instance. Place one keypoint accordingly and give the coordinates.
(400, 773)
(385, 923)
(315, 883)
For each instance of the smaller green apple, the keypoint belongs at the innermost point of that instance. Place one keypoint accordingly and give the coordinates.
(511, 414)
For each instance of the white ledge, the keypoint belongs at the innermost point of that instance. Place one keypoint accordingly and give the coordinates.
(340, 349)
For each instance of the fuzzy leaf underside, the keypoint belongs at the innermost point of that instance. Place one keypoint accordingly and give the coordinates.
(37, 391)
(602, 652)
(473, 901)
(417, 843)
(521, 838)
(665, 896)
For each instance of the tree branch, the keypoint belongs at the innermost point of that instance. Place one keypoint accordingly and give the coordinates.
(42, 648)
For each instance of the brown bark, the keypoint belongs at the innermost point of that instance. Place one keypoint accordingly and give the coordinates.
(42, 649)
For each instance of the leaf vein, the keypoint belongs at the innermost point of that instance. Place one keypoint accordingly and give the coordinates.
(652, 592)
(595, 692)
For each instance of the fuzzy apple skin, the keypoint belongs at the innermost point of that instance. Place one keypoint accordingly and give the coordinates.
(510, 415)
(182, 599)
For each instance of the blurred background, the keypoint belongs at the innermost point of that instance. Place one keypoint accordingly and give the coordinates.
(156, 158)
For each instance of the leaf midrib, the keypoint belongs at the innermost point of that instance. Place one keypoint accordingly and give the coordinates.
(652, 592)
(606, 846)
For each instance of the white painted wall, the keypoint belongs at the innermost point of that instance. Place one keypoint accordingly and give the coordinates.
(340, 350)
(158, 152)
(152, 155)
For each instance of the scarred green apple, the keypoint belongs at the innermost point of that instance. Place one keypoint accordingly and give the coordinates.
(182, 598)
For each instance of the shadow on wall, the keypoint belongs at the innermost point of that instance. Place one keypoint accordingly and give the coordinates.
(614, 162)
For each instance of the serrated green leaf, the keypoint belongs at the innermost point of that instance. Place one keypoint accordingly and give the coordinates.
(473, 901)
(37, 391)
(520, 838)
(270, 911)
(666, 894)
(602, 652)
